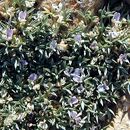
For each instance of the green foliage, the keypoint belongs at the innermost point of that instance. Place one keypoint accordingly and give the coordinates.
(58, 76)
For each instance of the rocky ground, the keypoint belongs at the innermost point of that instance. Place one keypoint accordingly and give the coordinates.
(117, 124)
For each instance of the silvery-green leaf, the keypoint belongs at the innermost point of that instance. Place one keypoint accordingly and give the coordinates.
(82, 105)
(111, 112)
(10, 119)
(101, 101)
(16, 64)
(128, 88)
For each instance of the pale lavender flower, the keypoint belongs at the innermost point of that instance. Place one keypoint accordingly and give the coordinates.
(9, 34)
(77, 72)
(72, 114)
(78, 79)
(77, 120)
(80, 89)
(53, 45)
(33, 77)
(106, 87)
(116, 20)
(23, 62)
(73, 100)
(113, 34)
(22, 16)
(78, 38)
(123, 58)
(93, 45)
(116, 16)
(78, 75)
(75, 116)
(102, 88)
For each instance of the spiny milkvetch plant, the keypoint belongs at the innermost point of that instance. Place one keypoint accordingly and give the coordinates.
(61, 70)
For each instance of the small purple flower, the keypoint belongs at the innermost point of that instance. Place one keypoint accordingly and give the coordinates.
(113, 34)
(78, 38)
(33, 77)
(23, 62)
(78, 75)
(93, 45)
(123, 58)
(75, 116)
(102, 88)
(53, 45)
(9, 34)
(77, 120)
(72, 114)
(116, 16)
(80, 89)
(77, 72)
(22, 16)
(78, 79)
(73, 100)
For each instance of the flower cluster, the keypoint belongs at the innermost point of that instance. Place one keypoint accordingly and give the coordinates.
(61, 67)
(76, 74)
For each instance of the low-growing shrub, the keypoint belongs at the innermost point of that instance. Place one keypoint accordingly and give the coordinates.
(61, 70)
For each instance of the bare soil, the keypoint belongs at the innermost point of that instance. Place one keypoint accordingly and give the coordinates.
(117, 124)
